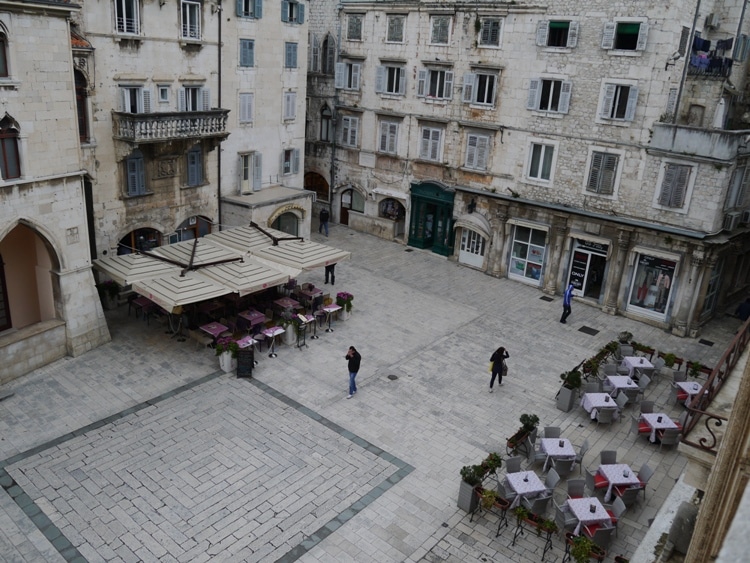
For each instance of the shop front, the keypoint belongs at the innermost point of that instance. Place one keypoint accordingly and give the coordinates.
(528, 252)
(431, 221)
(474, 230)
(588, 264)
(653, 284)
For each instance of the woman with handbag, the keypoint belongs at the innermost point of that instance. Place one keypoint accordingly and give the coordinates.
(498, 367)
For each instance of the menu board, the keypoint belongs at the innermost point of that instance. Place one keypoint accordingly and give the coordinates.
(245, 361)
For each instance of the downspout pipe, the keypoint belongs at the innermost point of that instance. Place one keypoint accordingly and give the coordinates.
(335, 117)
(218, 104)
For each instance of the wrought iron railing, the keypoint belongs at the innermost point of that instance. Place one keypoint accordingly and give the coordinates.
(697, 413)
(166, 126)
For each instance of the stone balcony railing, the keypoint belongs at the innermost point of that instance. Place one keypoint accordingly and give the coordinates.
(169, 126)
(714, 144)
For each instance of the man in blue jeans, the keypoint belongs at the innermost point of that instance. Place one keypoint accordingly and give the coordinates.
(354, 358)
(567, 296)
(324, 216)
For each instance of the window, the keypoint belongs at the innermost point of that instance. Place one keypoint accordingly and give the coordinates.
(435, 84)
(395, 33)
(163, 94)
(477, 151)
(247, 52)
(195, 166)
(191, 20)
(250, 8)
(739, 188)
(388, 141)
(292, 12)
(674, 185)
(290, 55)
(349, 131)
(290, 161)
(540, 162)
(603, 173)
(625, 36)
(82, 103)
(136, 175)
(430, 143)
(556, 33)
(328, 63)
(489, 34)
(441, 28)
(10, 165)
(549, 95)
(313, 53)
(246, 108)
(479, 88)
(326, 124)
(619, 102)
(347, 76)
(290, 106)
(4, 71)
(527, 254)
(390, 80)
(127, 19)
(354, 27)
(194, 98)
(135, 99)
(251, 172)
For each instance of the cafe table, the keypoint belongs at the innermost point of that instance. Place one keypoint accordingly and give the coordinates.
(618, 475)
(213, 329)
(252, 316)
(556, 448)
(621, 382)
(329, 310)
(592, 402)
(692, 388)
(526, 484)
(272, 333)
(588, 511)
(633, 362)
(287, 303)
(310, 293)
(657, 421)
(143, 305)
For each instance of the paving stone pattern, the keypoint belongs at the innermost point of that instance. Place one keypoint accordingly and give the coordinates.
(141, 451)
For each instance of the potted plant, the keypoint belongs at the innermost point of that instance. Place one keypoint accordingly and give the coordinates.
(547, 526)
(344, 300)
(582, 549)
(591, 366)
(624, 337)
(529, 423)
(287, 322)
(489, 497)
(472, 477)
(108, 291)
(521, 512)
(227, 349)
(694, 369)
(566, 396)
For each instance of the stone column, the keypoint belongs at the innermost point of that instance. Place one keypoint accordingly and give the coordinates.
(557, 237)
(689, 281)
(700, 295)
(617, 271)
(496, 265)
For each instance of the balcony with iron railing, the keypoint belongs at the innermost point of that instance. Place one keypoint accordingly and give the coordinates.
(169, 126)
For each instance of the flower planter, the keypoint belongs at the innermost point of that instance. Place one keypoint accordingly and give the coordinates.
(290, 337)
(344, 314)
(468, 500)
(566, 399)
(227, 363)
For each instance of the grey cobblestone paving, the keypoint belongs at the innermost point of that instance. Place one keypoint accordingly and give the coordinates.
(220, 469)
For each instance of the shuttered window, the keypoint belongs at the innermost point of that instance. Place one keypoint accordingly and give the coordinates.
(674, 185)
(602, 173)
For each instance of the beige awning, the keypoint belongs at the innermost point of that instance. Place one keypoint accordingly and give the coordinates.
(305, 255)
(129, 268)
(244, 239)
(173, 291)
(205, 253)
(245, 277)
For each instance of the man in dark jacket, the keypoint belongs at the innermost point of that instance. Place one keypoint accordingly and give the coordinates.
(324, 215)
(354, 359)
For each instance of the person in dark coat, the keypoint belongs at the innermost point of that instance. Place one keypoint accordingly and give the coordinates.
(354, 359)
(498, 366)
(324, 216)
(331, 273)
(743, 311)
(567, 296)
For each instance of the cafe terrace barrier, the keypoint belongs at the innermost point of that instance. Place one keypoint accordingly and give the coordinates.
(697, 409)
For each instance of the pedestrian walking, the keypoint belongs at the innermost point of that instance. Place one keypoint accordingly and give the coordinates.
(324, 216)
(743, 310)
(499, 368)
(354, 359)
(567, 296)
(331, 273)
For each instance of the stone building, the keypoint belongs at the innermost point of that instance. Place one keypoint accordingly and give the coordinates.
(551, 143)
(49, 306)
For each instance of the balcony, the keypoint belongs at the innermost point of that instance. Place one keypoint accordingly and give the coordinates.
(714, 144)
(141, 128)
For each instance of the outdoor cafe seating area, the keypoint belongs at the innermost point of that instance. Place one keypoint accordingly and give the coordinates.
(577, 497)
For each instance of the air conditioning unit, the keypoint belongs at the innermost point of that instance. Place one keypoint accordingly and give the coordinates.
(712, 21)
(745, 217)
(731, 220)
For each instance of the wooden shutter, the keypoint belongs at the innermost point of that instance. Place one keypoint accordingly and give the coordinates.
(632, 102)
(471, 151)
(597, 159)
(314, 62)
(608, 174)
(469, 87)
(448, 90)
(300, 13)
(642, 37)
(340, 79)
(608, 37)
(257, 170)
(565, 91)
(258, 9)
(246, 108)
(247, 52)
(483, 148)
(295, 161)
(383, 145)
(421, 83)
(380, 79)
(542, 33)
(241, 9)
(401, 81)
(435, 144)
(607, 100)
(355, 76)
(146, 95)
(535, 90)
(424, 144)
(573, 35)
(205, 100)
(285, 10)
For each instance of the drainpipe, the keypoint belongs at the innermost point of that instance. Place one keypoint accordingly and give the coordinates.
(218, 104)
(688, 50)
(335, 117)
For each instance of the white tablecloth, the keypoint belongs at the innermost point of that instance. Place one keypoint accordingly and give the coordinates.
(618, 474)
(553, 449)
(621, 382)
(528, 488)
(692, 388)
(591, 402)
(581, 509)
(652, 419)
(632, 362)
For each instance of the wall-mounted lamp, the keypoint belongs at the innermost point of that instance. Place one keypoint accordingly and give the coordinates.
(472, 206)
(672, 60)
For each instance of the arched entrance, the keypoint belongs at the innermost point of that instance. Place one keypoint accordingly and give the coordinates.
(138, 240)
(192, 227)
(352, 200)
(287, 223)
(316, 183)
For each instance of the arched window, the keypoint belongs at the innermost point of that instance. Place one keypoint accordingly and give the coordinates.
(328, 62)
(326, 124)
(82, 106)
(287, 223)
(3, 56)
(10, 164)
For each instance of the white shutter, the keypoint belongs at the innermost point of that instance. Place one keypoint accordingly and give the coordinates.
(608, 37)
(642, 37)
(146, 94)
(257, 170)
(392, 137)
(401, 80)
(435, 144)
(632, 101)
(246, 108)
(355, 76)
(667, 185)
(340, 75)
(469, 87)
(205, 99)
(565, 90)
(535, 90)
(124, 99)
(608, 100)
(383, 145)
(354, 131)
(573, 35)
(295, 161)
(448, 94)
(424, 144)
(597, 160)
(542, 33)
(421, 83)
(483, 149)
(182, 103)
(471, 151)
(380, 77)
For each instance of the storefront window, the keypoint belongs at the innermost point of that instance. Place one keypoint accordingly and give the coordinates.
(587, 267)
(527, 255)
(652, 284)
(391, 209)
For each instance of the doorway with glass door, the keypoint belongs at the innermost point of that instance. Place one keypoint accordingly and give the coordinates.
(587, 268)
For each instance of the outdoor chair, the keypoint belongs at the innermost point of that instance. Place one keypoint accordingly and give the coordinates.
(615, 511)
(537, 456)
(513, 464)
(608, 369)
(621, 400)
(628, 495)
(637, 427)
(647, 407)
(669, 437)
(643, 383)
(582, 452)
(566, 521)
(680, 422)
(553, 478)
(608, 457)
(506, 491)
(538, 505)
(605, 416)
(678, 376)
(564, 467)
(595, 482)
(644, 475)
(600, 536)
(551, 431)
(626, 350)
(576, 488)
(631, 394)
(592, 387)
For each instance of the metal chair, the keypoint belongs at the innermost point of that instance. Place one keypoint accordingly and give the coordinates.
(669, 437)
(631, 394)
(608, 457)
(537, 506)
(647, 407)
(616, 510)
(625, 350)
(576, 488)
(582, 452)
(566, 521)
(608, 369)
(551, 431)
(513, 464)
(628, 495)
(592, 387)
(605, 416)
(643, 383)
(553, 478)
(537, 456)
(621, 400)
(601, 536)
(679, 376)
(506, 491)
(644, 475)
(564, 467)
(637, 427)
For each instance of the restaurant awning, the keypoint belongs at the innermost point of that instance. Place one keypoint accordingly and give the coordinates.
(196, 252)
(175, 290)
(128, 268)
(244, 239)
(247, 276)
(305, 255)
